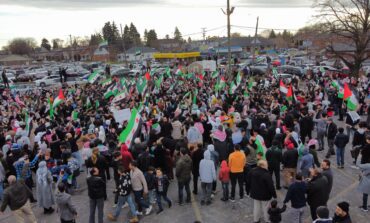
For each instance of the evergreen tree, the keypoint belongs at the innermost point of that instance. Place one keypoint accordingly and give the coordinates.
(45, 44)
(146, 36)
(134, 35)
(152, 36)
(127, 40)
(272, 34)
(95, 39)
(177, 34)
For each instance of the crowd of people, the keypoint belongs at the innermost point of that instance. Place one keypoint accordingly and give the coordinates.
(212, 129)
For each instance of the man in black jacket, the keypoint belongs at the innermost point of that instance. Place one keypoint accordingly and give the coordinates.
(16, 197)
(290, 160)
(316, 191)
(340, 142)
(274, 157)
(331, 132)
(261, 188)
(97, 193)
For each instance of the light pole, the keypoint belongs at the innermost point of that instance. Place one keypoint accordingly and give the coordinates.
(228, 13)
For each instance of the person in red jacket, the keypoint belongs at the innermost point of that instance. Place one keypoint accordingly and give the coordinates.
(126, 156)
(224, 177)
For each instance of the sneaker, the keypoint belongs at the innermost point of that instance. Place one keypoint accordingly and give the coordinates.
(232, 199)
(111, 217)
(114, 205)
(134, 220)
(139, 213)
(148, 210)
(169, 204)
(212, 196)
(159, 211)
(364, 210)
(125, 205)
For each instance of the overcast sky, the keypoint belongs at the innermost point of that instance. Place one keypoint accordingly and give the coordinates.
(60, 18)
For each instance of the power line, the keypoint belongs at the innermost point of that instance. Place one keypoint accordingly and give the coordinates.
(250, 27)
(208, 30)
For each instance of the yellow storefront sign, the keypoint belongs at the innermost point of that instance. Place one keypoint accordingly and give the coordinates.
(176, 55)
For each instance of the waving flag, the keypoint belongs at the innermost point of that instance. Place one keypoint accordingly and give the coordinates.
(93, 77)
(283, 89)
(141, 85)
(74, 115)
(215, 74)
(106, 82)
(347, 92)
(289, 95)
(132, 129)
(158, 82)
(168, 72)
(88, 103)
(58, 100)
(195, 94)
(51, 109)
(238, 79)
(120, 96)
(260, 142)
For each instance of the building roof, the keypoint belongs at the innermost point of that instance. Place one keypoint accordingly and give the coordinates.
(13, 57)
(143, 49)
(245, 41)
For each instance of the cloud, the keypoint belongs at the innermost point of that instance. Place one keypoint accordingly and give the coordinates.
(91, 4)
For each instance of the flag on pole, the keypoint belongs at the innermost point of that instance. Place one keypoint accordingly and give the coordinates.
(238, 79)
(215, 74)
(103, 43)
(168, 72)
(131, 129)
(283, 89)
(158, 82)
(232, 88)
(250, 83)
(141, 85)
(58, 100)
(97, 104)
(274, 72)
(289, 95)
(112, 91)
(138, 53)
(352, 103)
(195, 94)
(347, 92)
(119, 97)
(93, 77)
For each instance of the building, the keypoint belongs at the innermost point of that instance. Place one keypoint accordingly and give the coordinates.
(137, 54)
(169, 45)
(12, 60)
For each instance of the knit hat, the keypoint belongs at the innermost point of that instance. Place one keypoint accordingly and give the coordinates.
(322, 212)
(344, 206)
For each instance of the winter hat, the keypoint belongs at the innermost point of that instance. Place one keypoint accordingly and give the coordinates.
(8, 137)
(312, 142)
(322, 212)
(277, 131)
(344, 206)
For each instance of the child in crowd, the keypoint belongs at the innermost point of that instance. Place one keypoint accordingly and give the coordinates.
(161, 187)
(275, 212)
(224, 177)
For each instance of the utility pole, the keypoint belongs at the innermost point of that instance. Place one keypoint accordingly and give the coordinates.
(204, 33)
(123, 46)
(70, 40)
(228, 13)
(255, 41)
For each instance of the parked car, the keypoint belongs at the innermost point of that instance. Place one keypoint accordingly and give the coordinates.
(37, 73)
(48, 80)
(291, 70)
(260, 66)
(121, 72)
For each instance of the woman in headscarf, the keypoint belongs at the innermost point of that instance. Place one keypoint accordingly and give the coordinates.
(44, 190)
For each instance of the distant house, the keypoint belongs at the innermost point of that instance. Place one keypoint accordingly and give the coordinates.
(137, 54)
(169, 45)
(101, 54)
(246, 43)
(12, 60)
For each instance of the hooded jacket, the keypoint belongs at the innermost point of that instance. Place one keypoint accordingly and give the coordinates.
(305, 162)
(16, 195)
(126, 156)
(176, 130)
(67, 210)
(207, 171)
(224, 174)
(214, 154)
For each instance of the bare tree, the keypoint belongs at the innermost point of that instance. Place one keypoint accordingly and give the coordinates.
(348, 21)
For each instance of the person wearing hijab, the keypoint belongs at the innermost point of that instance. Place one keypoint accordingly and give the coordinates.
(44, 190)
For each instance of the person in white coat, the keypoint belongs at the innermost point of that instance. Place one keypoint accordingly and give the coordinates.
(207, 174)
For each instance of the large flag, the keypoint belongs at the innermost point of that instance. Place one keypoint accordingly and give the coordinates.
(141, 85)
(93, 77)
(131, 129)
(58, 100)
(106, 82)
(352, 103)
(347, 92)
(238, 79)
(289, 95)
(283, 89)
(119, 97)
(112, 91)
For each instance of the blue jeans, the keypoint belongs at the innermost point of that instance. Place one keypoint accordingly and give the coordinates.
(181, 186)
(96, 203)
(159, 201)
(78, 157)
(140, 200)
(121, 201)
(340, 156)
(225, 191)
(1, 190)
(151, 196)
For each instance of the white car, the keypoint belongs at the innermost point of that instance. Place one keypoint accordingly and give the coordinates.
(48, 80)
(38, 73)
